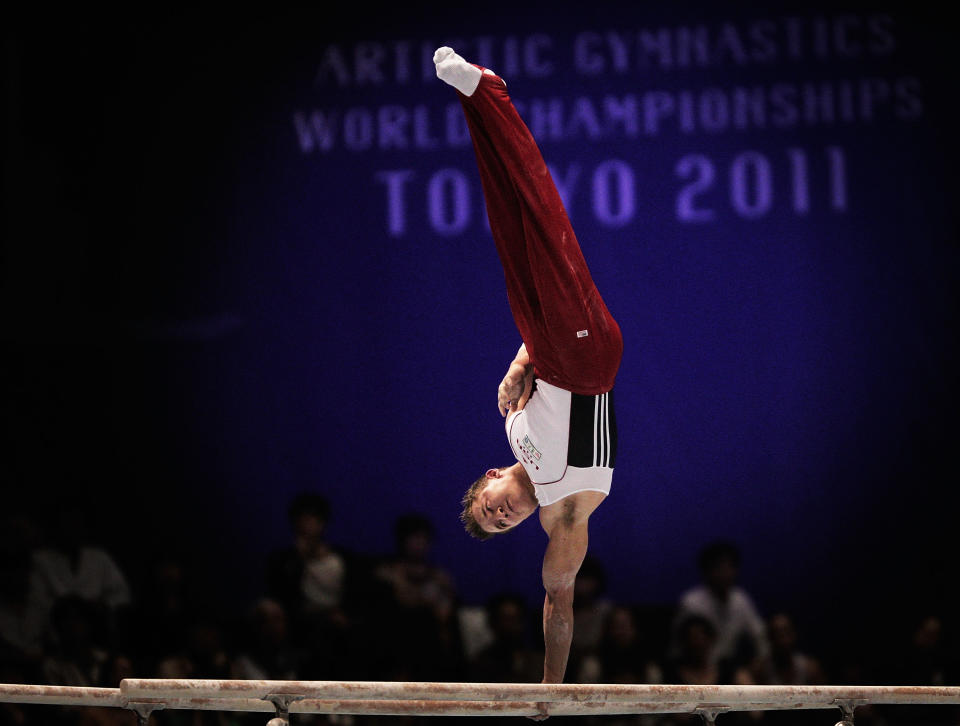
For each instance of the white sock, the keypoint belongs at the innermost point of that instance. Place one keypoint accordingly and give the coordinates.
(453, 69)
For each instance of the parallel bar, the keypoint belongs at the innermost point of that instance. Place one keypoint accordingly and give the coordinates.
(60, 695)
(809, 696)
(470, 699)
(403, 707)
(76, 696)
(460, 708)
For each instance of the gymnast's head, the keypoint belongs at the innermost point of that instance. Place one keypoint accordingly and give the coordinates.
(498, 501)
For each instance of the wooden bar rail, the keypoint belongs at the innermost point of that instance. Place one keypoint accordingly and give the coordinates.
(467, 699)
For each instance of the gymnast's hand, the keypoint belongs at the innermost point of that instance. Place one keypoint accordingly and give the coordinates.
(542, 708)
(543, 715)
(510, 390)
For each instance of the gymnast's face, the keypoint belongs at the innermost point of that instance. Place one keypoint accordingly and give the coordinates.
(504, 502)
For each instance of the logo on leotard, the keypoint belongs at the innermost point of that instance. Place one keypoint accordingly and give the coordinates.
(529, 449)
(583, 333)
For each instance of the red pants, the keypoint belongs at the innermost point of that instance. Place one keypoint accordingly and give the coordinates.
(573, 341)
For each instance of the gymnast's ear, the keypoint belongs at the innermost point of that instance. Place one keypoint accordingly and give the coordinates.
(493, 473)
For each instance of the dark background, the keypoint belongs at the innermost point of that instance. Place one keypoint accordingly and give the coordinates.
(200, 321)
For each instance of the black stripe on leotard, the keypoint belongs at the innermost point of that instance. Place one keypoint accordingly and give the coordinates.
(593, 431)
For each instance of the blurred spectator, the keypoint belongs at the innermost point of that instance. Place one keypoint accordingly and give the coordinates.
(70, 566)
(15, 714)
(475, 632)
(416, 583)
(268, 654)
(115, 669)
(620, 656)
(696, 662)
(785, 664)
(590, 609)
(308, 577)
(426, 641)
(739, 631)
(308, 580)
(203, 653)
(77, 660)
(163, 610)
(20, 634)
(927, 659)
(510, 658)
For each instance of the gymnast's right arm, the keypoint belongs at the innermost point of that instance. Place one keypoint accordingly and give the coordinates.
(561, 562)
(515, 387)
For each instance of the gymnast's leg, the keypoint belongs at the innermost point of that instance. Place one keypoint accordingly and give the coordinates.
(570, 335)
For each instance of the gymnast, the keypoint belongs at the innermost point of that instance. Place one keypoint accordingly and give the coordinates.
(557, 394)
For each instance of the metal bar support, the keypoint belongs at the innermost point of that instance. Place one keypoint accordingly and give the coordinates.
(281, 702)
(143, 710)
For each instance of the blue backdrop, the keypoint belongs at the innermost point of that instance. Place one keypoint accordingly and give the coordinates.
(765, 199)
